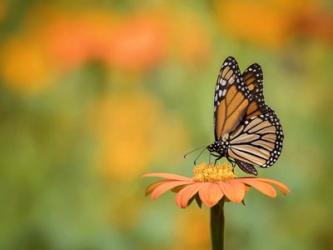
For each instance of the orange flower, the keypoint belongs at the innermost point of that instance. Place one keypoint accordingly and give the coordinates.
(210, 184)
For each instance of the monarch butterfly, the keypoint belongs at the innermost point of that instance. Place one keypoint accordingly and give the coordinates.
(247, 132)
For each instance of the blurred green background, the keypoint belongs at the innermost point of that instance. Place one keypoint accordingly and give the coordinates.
(95, 93)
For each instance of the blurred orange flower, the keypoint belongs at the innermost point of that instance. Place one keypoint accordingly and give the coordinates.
(129, 42)
(266, 23)
(68, 39)
(316, 23)
(254, 22)
(74, 38)
(210, 184)
(138, 42)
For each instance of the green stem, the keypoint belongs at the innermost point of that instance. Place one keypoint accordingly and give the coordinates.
(217, 225)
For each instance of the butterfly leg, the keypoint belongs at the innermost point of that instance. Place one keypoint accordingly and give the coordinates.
(233, 163)
(218, 158)
(215, 155)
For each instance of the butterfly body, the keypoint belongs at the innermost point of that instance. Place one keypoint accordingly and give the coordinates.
(247, 131)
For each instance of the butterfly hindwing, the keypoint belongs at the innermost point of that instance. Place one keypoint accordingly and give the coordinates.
(231, 98)
(258, 141)
(253, 78)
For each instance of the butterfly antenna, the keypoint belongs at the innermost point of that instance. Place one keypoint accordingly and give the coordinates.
(192, 151)
(195, 161)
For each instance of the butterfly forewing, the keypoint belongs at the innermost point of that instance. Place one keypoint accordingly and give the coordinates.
(231, 98)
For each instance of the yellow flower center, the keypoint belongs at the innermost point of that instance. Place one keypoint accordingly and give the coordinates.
(209, 172)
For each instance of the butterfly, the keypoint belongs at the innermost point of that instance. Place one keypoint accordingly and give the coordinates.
(247, 131)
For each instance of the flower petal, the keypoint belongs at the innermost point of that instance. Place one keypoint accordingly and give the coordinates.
(166, 186)
(152, 186)
(233, 189)
(210, 193)
(261, 186)
(168, 176)
(184, 195)
(282, 187)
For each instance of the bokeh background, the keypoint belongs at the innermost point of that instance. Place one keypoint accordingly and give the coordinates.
(95, 93)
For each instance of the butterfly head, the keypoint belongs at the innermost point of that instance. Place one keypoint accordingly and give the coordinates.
(220, 147)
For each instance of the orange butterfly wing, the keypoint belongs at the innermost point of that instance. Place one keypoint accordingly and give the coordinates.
(231, 98)
(253, 78)
(258, 141)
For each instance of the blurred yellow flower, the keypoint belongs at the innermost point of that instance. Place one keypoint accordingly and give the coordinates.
(190, 37)
(24, 64)
(191, 231)
(3, 8)
(133, 130)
